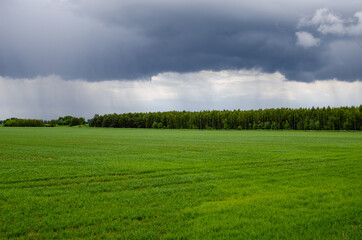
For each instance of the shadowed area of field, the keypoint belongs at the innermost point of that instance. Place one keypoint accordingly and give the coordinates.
(179, 184)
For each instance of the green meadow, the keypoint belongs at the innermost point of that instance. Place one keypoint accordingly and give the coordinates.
(90, 183)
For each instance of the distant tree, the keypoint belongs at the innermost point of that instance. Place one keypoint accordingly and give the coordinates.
(81, 121)
(286, 125)
(300, 125)
(225, 124)
(274, 126)
(317, 125)
(53, 123)
(346, 125)
(74, 121)
(67, 120)
(266, 125)
(64, 120)
(60, 121)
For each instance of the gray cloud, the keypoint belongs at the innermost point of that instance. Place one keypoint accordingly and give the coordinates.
(103, 40)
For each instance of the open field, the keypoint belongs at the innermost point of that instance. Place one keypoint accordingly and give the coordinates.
(179, 184)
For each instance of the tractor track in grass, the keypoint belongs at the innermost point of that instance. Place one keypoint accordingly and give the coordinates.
(148, 175)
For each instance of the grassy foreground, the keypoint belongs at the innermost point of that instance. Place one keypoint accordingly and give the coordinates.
(179, 184)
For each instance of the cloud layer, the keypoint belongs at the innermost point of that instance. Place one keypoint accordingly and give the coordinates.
(128, 40)
(51, 97)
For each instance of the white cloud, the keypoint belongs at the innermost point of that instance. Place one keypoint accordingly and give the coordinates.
(327, 22)
(51, 97)
(356, 29)
(306, 40)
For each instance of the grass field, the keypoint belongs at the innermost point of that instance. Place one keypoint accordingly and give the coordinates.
(179, 184)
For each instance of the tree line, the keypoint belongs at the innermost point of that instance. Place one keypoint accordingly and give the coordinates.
(326, 118)
(15, 122)
(62, 121)
(341, 118)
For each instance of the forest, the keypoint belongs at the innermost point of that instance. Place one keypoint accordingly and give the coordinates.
(326, 118)
(15, 122)
(62, 121)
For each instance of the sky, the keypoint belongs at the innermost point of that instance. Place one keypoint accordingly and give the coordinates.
(82, 57)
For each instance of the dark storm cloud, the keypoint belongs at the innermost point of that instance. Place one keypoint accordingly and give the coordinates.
(100, 40)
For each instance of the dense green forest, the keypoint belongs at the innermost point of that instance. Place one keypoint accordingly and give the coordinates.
(62, 121)
(15, 122)
(341, 118)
